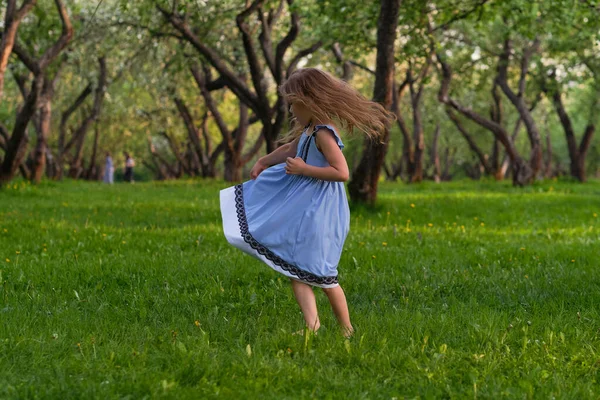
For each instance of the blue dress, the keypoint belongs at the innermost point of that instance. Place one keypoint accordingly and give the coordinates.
(295, 224)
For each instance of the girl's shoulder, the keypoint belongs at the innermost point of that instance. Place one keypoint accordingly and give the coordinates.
(331, 129)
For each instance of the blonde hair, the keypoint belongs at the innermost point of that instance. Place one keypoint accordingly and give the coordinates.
(331, 99)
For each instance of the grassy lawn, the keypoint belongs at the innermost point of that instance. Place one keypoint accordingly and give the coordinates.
(458, 290)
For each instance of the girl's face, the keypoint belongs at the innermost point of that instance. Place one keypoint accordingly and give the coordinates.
(301, 113)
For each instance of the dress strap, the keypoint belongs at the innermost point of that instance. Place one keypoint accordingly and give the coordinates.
(306, 146)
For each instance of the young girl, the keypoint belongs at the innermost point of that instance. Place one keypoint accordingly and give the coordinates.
(294, 214)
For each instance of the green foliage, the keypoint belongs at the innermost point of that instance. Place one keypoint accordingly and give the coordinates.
(148, 64)
(457, 290)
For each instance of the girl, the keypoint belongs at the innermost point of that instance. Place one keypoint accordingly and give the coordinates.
(293, 215)
(109, 169)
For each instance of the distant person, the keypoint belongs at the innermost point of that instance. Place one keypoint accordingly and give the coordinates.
(293, 215)
(129, 164)
(109, 169)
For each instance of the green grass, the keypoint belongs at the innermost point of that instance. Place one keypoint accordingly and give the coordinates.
(101, 288)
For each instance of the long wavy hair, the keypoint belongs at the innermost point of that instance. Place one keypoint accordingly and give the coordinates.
(331, 99)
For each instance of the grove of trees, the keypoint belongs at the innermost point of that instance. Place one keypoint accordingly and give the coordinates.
(508, 89)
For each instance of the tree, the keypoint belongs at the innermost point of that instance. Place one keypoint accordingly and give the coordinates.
(272, 116)
(363, 186)
(16, 145)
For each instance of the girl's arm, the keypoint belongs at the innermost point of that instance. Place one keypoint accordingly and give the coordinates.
(276, 157)
(280, 154)
(338, 167)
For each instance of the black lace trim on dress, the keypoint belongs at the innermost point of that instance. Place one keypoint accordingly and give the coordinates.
(262, 250)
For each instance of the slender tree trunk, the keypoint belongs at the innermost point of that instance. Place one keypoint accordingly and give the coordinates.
(419, 140)
(482, 157)
(62, 130)
(50, 164)
(548, 166)
(408, 156)
(178, 155)
(448, 160)
(435, 157)
(418, 134)
(80, 133)
(39, 154)
(92, 172)
(346, 65)
(363, 187)
(233, 162)
(193, 134)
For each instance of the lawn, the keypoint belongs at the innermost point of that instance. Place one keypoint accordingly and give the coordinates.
(457, 290)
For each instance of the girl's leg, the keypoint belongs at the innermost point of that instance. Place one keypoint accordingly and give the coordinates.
(337, 299)
(308, 304)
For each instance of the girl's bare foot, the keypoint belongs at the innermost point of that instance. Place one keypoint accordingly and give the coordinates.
(307, 330)
(348, 332)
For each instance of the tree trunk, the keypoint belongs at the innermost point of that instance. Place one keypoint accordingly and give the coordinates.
(418, 134)
(62, 130)
(193, 135)
(435, 157)
(39, 154)
(548, 166)
(419, 140)
(80, 133)
(483, 159)
(233, 162)
(92, 172)
(346, 65)
(178, 155)
(448, 160)
(408, 155)
(577, 154)
(363, 187)
(43, 129)
(535, 159)
(12, 19)
(16, 148)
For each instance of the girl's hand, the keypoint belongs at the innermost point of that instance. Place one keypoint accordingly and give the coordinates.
(257, 169)
(295, 166)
